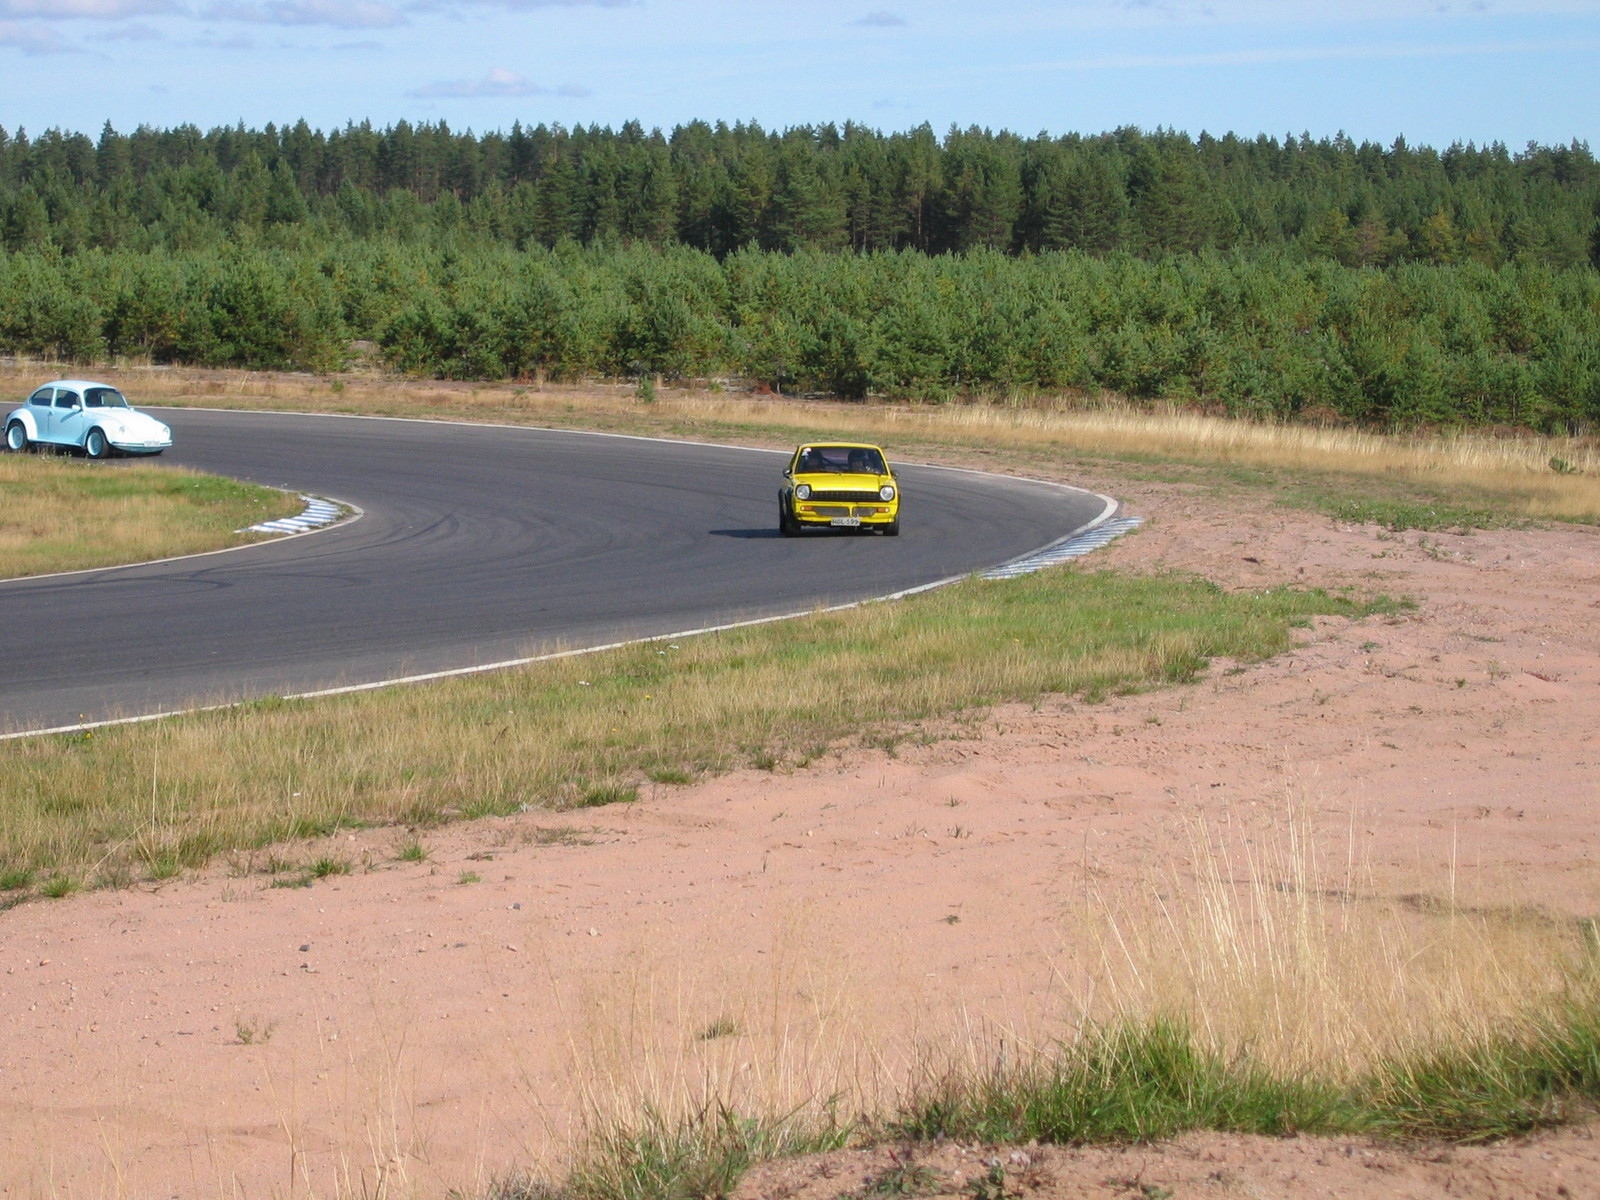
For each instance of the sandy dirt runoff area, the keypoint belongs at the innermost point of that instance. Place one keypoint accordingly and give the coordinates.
(421, 1026)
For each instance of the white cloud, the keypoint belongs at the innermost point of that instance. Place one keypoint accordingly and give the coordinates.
(94, 10)
(498, 82)
(33, 39)
(881, 20)
(341, 14)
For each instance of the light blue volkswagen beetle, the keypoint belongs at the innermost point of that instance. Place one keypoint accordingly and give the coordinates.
(93, 417)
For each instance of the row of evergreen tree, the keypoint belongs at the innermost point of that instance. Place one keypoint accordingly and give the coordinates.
(720, 188)
(1270, 334)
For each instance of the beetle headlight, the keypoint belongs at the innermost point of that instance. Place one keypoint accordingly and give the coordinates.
(886, 492)
(802, 491)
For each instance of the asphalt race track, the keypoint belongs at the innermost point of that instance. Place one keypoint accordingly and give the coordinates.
(478, 544)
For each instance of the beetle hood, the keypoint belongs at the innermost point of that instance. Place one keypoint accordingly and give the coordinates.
(129, 419)
(130, 425)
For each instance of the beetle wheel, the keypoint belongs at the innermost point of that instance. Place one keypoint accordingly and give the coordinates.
(95, 445)
(16, 437)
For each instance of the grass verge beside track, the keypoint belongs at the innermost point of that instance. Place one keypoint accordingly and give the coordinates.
(113, 805)
(66, 514)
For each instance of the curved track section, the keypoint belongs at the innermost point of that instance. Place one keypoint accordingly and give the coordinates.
(479, 544)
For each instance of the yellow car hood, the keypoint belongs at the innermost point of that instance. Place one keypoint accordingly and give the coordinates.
(834, 481)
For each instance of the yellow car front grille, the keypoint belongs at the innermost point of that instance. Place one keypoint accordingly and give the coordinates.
(843, 510)
(845, 494)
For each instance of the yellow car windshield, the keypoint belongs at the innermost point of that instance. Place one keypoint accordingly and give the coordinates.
(840, 460)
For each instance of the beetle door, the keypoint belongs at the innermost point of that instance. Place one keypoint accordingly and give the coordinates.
(69, 423)
(43, 418)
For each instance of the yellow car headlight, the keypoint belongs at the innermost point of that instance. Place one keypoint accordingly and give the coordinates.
(886, 492)
(802, 491)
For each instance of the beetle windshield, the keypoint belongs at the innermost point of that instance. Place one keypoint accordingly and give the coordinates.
(840, 460)
(103, 397)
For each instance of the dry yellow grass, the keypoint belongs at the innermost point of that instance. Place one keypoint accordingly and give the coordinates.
(1276, 936)
(1512, 473)
(65, 514)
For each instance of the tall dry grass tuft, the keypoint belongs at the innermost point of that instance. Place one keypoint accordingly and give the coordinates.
(697, 1063)
(1275, 937)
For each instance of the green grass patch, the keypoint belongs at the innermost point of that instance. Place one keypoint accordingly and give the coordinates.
(669, 775)
(65, 514)
(602, 794)
(584, 731)
(1396, 503)
(304, 874)
(1128, 1082)
(323, 867)
(1495, 1086)
(1140, 1081)
(1399, 513)
(700, 1156)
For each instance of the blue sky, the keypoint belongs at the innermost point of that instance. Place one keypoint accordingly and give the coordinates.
(1433, 71)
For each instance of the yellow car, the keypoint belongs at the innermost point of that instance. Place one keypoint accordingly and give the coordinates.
(839, 485)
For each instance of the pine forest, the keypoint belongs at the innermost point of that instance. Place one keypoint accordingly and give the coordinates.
(1386, 286)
